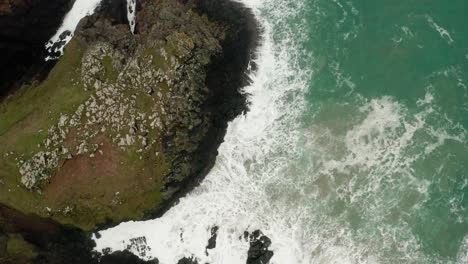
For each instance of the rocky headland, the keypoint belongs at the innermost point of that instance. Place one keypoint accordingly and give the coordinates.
(121, 126)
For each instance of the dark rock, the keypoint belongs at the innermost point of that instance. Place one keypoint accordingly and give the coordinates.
(139, 245)
(115, 10)
(225, 76)
(212, 240)
(258, 252)
(124, 257)
(55, 243)
(3, 243)
(187, 261)
(54, 51)
(25, 27)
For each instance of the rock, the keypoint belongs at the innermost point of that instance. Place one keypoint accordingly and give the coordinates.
(258, 252)
(187, 261)
(3, 244)
(55, 49)
(212, 240)
(139, 245)
(124, 257)
(25, 27)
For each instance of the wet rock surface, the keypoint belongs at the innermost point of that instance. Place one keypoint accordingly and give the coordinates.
(187, 261)
(258, 252)
(124, 257)
(212, 240)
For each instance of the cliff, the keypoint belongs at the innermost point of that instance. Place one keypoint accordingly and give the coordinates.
(123, 124)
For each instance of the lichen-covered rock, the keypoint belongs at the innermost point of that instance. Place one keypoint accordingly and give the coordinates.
(123, 121)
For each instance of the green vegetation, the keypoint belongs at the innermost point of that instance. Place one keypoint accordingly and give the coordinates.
(157, 59)
(110, 73)
(25, 118)
(100, 194)
(17, 247)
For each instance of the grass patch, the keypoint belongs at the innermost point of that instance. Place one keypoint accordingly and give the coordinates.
(157, 59)
(87, 189)
(25, 118)
(17, 247)
(110, 73)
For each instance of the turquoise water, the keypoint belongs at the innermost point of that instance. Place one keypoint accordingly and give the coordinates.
(388, 104)
(355, 147)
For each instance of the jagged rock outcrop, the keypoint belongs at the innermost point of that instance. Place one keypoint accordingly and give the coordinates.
(258, 252)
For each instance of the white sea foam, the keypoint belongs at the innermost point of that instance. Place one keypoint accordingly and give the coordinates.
(131, 14)
(362, 167)
(444, 33)
(80, 9)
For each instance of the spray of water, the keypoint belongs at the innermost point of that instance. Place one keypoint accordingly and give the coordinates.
(80, 9)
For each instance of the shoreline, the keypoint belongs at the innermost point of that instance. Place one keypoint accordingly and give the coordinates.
(225, 77)
(237, 66)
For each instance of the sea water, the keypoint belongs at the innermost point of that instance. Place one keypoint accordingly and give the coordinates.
(354, 149)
